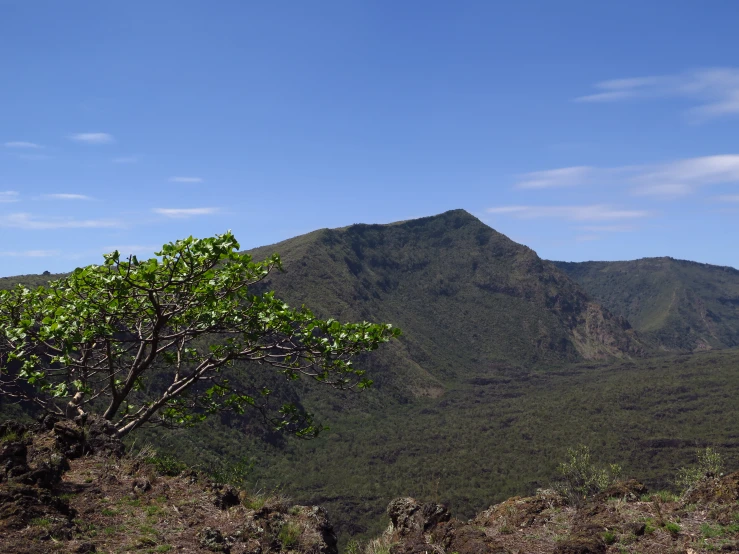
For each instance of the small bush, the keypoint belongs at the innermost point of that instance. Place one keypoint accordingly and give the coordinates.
(235, 474)
(289, 535)
(710, 464)
(10, 436)
(167, 465)
(673, 528)
(378, 546)
(609, 537)
(353, 547)
(582, 478)
(713, 531)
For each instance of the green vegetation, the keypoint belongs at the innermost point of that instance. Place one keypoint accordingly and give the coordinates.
(289, 534)
(143, 341)
(714, 531)
(467, 298)
(9, 436)
(167, 464)
(236, 473)
(675, 304)
(710, 464)
(504, 364)
(582, 478)
(672, 527)
(487, 440)
(609, 537)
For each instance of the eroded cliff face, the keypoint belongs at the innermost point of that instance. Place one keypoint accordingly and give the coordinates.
(69, 488)
(599, 334)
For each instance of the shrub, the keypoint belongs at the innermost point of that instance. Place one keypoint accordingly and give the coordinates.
(289, 535)
(10, 436)
(609, 537)
(353, 547)
(378, 546)
(167, 465)
(582, 478)
(710, 464)
(235, 474)
(673, 528)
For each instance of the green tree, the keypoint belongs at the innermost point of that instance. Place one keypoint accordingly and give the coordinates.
(150, 341)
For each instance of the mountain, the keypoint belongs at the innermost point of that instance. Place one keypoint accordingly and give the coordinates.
(504, 363)
(432, 275)
(466, 297)
(675, 304)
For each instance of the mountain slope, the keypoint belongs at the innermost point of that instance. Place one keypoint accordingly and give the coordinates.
(466, 297)
(678, 305)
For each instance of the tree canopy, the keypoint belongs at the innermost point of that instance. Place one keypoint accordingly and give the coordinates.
(150, 341)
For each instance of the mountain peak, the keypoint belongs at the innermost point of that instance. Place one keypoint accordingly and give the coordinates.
(466, 297)
(455, 218)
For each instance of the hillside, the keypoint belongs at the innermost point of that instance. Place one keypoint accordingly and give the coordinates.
(674, 304)
(466, 297)
(504, 363)
(486, 439)
(68, 487)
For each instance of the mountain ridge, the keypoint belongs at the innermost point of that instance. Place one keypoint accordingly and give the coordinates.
(676, 305)
(424, 265)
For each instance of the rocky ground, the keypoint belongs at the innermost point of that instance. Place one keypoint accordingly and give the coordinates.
(64, 488)
(623, 519)
(70, 488)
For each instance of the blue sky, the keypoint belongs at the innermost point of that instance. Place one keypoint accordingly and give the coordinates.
(585, 130)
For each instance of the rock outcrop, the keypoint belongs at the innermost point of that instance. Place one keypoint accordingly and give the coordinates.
(67, 486)
(624, 518)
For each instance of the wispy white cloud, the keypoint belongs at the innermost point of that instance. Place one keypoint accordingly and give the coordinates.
(670, 179)
(126, 160)
(21, 144)
(65, 196)
(728, 198)
(31, 253)
(92, 138)
(684, 176)
(31, 222)
(185, 212)
(595, 212)
(9, 196)
(186, 179)
(553, 178)
(715, 90)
